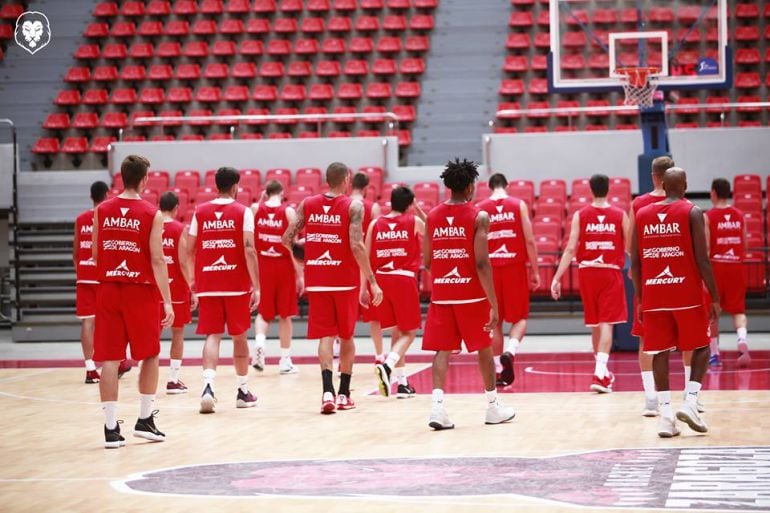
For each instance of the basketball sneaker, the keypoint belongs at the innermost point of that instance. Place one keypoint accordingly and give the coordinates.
(499, 381)
(379, 359)
(382, 372)
(439, 419)
(328, 405)
(92, 377)
(689, 414)
(650, 407)
(345, 403)
(744, 359)
(207, 400)
(498, 414)
(405, 391)
(507, 375)
(145, 428)
(245, 399)
(176, 387)
(603, 385)
(112, 437)
(286, 366)
(258, 360)
(667, 428)
(715, 361)
(123, 368)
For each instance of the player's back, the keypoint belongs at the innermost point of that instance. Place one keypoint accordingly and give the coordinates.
(124, 240)
(600, 240)
(220, 259)
(172, 233)
(270, 223)
(726, 235)
(395, 248)
(645, 199)
(85, 266)
(506, 235)
(329, 262)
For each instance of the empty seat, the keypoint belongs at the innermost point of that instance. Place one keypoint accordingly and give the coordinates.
(75, 145)
(46, 145)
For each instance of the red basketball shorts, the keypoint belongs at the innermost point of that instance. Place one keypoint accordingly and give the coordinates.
(180, 299)
(85, 300)
(277, 288)
(332, 313)
(731, 285)
(449, 325)
(684, 330)
(512, 291)
(127, 314)
(603, 294)
(400, 307)
(637, 329)
(217, 312)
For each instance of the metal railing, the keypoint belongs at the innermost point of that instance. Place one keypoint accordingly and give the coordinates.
(15, 212)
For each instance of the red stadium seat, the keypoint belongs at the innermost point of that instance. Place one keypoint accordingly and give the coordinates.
(46, 146)
(283, 176)
(75, 145)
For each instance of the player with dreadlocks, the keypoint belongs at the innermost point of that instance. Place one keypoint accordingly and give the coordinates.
(463, 303)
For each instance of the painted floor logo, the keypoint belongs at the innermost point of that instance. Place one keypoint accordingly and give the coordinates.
(725, 478)
(33, 31)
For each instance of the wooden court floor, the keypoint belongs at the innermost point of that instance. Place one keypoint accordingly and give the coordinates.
(562, 451)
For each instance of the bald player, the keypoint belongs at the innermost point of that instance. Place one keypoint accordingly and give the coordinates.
(669, 267)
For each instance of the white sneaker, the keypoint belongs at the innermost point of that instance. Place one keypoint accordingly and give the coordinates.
(667, 428)
(258, 358)
(744, 359)
(688, 413)
(208, 400)
(650, 407)
(498, 414)
(285, 366)
(439, 419)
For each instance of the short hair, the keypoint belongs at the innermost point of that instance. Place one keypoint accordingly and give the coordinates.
(498, 181)
(660, 164)
(360, 181)
(99, 191)
(336, 173)
(600, 185)
(458, 175)
(273, 187)
(226, 177)
(721, 188)
(133, 169)
(168, 201)
(401, 198)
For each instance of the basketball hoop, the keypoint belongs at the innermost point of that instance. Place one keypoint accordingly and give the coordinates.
(639, 84)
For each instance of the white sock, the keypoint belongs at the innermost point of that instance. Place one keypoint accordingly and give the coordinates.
(648, 381)
(259, 340)
(742, 334)
(110, 413)
(513, 345)
(145, 405)
(173, 368)
(691, 391)
(491, 396)
(401, 375)
(243, 383)
(438, 397)
(90, 365)
(687, 373)
(664, 401)
(208, 378)
(392, 359)
(601, 364)
(714, 346)
(285, 352)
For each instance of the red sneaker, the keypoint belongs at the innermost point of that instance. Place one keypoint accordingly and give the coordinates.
(345, 403)
(603, 385)
(123, 368)
(176, 387)
(92, 377)
(327, 404)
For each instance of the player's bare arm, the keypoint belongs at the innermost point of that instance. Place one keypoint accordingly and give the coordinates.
(529, 239)
(419, 226)
(291, 217)
(358, 248)
(566, 257)
(427, 249)
(75, 246)
(420, 213)
(636, 263)
(160, 270)
(364, 299)
(484, 267)
(707, 228)
(376, 211)
(95, 236)
(295, 226)
(250, 252)
(700, 251)
(626, 227)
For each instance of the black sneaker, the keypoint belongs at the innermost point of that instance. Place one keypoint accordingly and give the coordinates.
(207, 400)
(507, 376)
(382, 371)
(145, 428)
(405, 391)
(112, 437)
(245, 399)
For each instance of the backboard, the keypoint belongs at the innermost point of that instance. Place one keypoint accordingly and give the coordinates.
(686, 40)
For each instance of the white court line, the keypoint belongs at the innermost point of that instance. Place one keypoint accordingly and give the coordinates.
(531, 370)
(54, 479)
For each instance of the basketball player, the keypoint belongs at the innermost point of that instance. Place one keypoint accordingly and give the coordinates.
(727, 248)
(394, 252)
(279, 279)
(359, 186)
(128, 250)
(598, 238)
(334, 253)
(511, 244)
(463, 304)
(669, 266)
(180, 275)
(221, 243)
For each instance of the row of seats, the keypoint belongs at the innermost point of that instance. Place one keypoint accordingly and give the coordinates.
(9, 12)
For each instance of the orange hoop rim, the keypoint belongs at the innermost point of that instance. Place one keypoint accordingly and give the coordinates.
(637, 76)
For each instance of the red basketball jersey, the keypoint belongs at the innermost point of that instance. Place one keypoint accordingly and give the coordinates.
(671, 279)
(644, 200)
(506, 236)
(453, 261)
(600, 241)
(172, 232)
(329, 262)
(395, 248)
(220, 262)
(85, 267)
(124, 240)
(726, 235)
(269, 225)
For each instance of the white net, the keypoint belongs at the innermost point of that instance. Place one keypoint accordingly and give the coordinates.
(639, 85)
